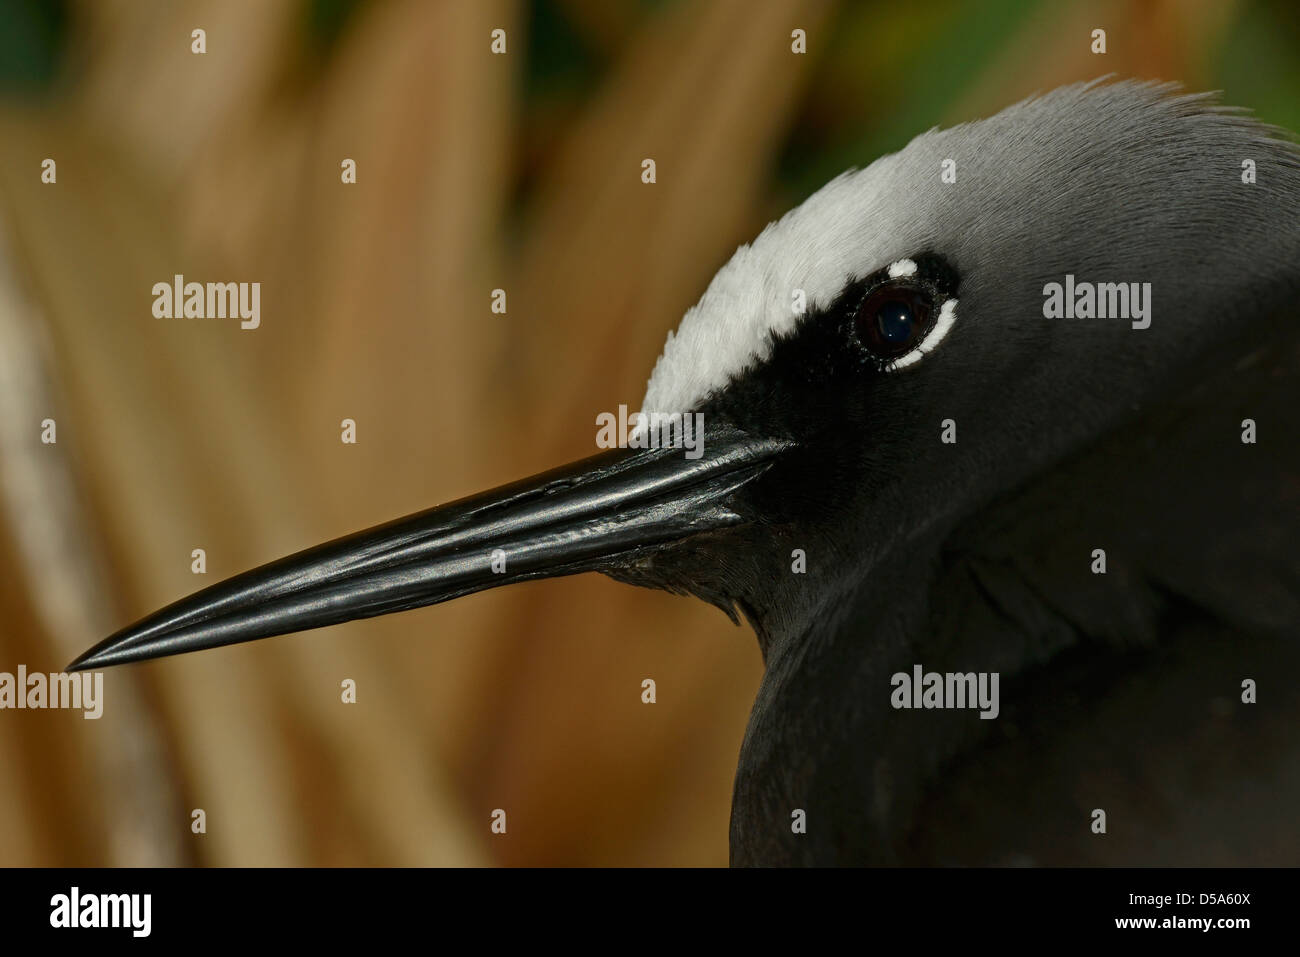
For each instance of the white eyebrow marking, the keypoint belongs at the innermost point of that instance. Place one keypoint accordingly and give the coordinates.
(947, 316)
(904, 267)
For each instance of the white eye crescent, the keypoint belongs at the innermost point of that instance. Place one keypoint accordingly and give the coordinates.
(947, 316)
(904, 267)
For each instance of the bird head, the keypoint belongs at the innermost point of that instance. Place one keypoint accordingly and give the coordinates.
(913, 331)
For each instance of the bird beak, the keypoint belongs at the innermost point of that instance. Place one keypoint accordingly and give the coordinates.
(598, 513)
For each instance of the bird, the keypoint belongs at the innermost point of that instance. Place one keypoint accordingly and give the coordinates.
(1016, 403)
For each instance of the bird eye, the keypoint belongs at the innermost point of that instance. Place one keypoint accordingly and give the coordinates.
(892, 320)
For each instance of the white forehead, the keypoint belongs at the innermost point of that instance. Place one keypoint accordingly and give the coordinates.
(865, 220)
(1028, 176)
(860, 222)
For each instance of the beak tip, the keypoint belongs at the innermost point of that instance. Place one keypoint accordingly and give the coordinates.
(107, 653)
(83, 663)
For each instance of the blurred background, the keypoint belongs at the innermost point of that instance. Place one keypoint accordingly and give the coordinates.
(474, 172)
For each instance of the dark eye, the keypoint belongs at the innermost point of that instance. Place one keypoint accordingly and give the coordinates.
(892, 320)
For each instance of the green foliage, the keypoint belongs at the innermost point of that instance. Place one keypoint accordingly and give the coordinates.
(32, 35)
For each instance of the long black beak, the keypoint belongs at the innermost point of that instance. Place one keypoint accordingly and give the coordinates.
(585, 516)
